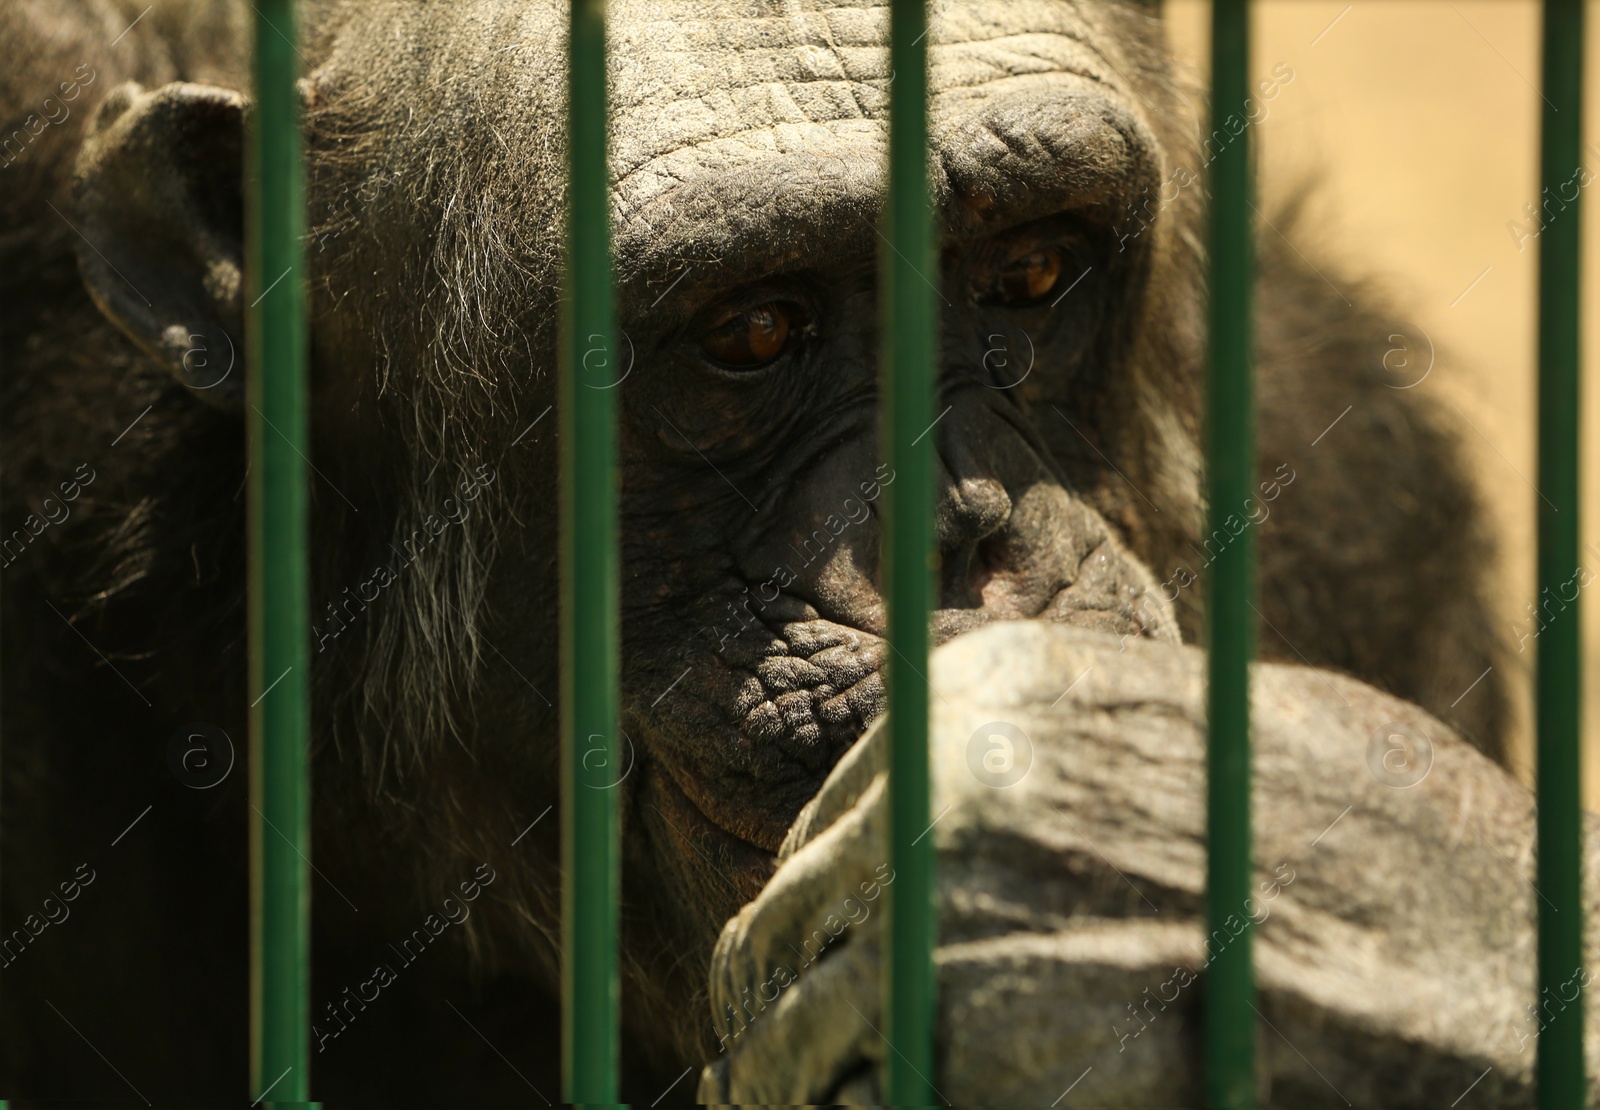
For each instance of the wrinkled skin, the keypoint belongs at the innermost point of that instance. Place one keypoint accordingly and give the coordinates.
(747, 150)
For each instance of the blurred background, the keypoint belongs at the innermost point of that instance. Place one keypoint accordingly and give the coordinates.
(1415, 126)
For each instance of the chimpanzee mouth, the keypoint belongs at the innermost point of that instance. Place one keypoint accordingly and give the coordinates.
(797, 687)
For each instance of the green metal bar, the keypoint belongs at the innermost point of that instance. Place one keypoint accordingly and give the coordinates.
(1230, 988)
(1559, 682)
(280, 603)
(589, 585)
(908, 271)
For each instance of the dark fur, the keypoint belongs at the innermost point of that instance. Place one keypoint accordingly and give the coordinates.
(435, 295)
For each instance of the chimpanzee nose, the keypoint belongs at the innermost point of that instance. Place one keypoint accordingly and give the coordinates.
(971, 508)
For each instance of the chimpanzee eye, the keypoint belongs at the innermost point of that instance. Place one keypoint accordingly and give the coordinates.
(1028, 280)
(748, 339)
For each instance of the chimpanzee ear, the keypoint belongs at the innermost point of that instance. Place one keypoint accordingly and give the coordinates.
(160, 199)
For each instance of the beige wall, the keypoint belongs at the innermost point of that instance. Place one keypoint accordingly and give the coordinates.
(1417, 123)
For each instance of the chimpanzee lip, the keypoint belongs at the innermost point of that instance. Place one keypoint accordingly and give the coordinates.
(744, 843)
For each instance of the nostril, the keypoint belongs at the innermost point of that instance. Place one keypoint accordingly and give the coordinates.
(972, 515)
(994, 573)
(990, 556)
(975, 576)
(989, 561)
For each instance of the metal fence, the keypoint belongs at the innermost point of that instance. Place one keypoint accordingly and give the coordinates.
(280, 597)
(279, 603)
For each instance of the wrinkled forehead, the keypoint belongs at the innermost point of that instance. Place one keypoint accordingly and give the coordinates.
(748, 132)
(719, 107)
(692, 84)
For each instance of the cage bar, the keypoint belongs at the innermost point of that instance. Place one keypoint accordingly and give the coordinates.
(589, 583)
(908, 276)
(1230, 618)
(280, 603)
(1559, 681)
